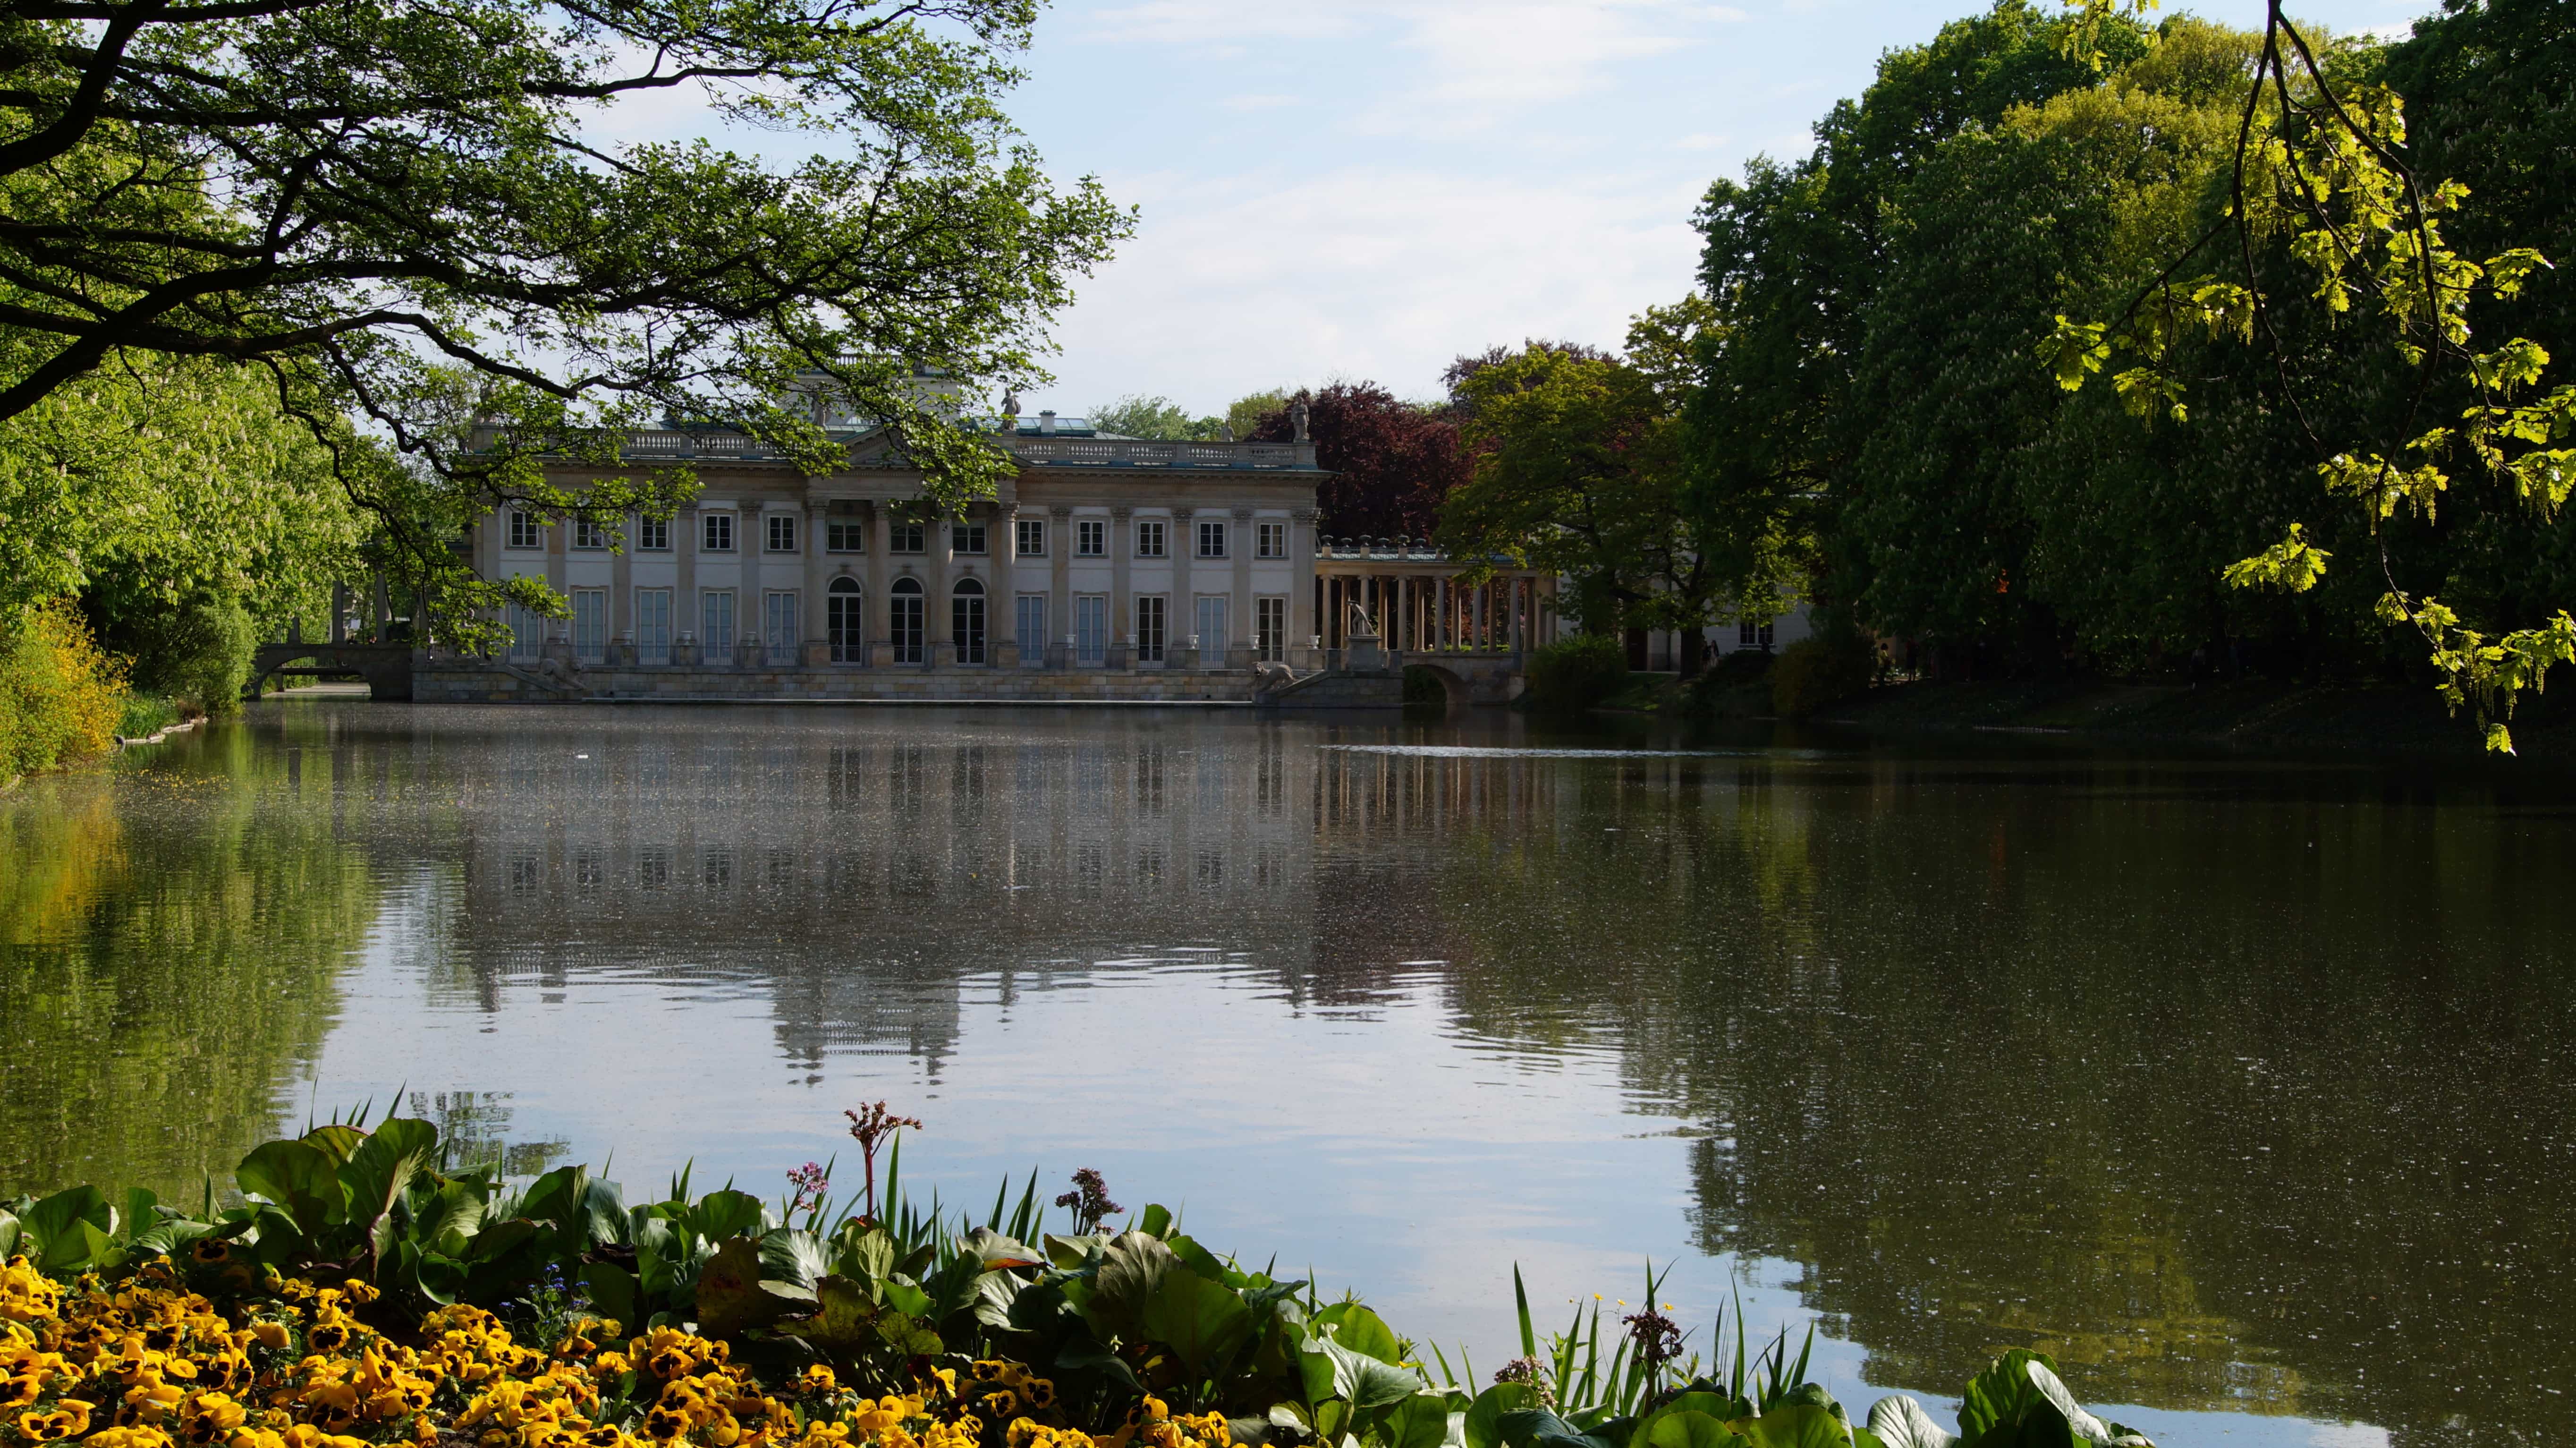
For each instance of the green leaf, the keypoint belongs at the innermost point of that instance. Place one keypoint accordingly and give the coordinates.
(1203, 1323)
(612, 1291)
(1803, 1425)
(8, 1233)
(1333, 1371)
(71, 1228)
(1422, 1420)
(555, 1196)
(1132, 1268)
(1156, 1222)
(792, 1255)
(1493, 1403)
(1900, 1422)
(2002, 1393)
(380, 1170)
(1361, 1330)
(2079, 1422)
(731, 1297)
(449, 1220)
(302, 1179)
(1686, 1428)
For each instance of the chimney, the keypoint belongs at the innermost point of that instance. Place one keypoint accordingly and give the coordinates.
(1046, 423)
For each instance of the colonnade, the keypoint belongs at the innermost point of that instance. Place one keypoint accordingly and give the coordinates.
(1431, 611)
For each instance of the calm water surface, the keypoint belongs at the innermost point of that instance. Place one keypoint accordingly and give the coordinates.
(2242, 1087)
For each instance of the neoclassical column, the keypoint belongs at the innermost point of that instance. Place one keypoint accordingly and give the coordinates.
(1002, 606)
(942, 543)
(621, 596)
(880, 584)
(1302, 582)
(1181, 615)
(1122, 547)
(817, 650)
(685, 613)
(750, 620)
(1240, 610)
(1060, 580)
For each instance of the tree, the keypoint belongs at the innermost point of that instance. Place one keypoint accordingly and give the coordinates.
(351, 196)
(1577, 470)
(1159, 418)
(2322, 172)
(1393, 462)
(1792, 261)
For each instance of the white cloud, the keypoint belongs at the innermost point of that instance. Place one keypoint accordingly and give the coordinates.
(1382, 273)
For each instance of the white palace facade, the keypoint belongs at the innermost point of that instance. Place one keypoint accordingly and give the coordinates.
(1102, 567)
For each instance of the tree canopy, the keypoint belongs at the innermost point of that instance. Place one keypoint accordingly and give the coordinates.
(1393, 461)
(422, 218)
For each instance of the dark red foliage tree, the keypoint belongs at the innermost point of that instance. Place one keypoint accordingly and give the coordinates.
(1393, 461)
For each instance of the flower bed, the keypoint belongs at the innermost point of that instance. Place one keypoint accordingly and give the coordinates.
(364, 1293)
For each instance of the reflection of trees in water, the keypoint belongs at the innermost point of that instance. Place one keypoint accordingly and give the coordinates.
(170, 935)
(474, 1133)
(2228, 1102)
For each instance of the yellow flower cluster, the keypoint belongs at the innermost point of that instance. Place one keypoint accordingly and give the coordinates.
(147, 1363)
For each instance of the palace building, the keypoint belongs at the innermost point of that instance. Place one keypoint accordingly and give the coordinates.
(1105, 567)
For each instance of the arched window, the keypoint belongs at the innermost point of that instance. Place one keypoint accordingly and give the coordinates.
(904, 623)
(841, 618)
(966, 620)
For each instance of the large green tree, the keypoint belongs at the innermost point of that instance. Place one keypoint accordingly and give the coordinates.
(360, 197)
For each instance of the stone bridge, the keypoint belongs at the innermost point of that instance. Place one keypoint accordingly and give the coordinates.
(1469, 678)
(385, 667)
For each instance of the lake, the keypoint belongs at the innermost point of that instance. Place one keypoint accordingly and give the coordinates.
(2243, 1087)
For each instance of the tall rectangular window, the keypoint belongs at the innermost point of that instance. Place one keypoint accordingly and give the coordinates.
(906, 538)
(590, 624)
(778, 632)
(1091, 537)
(1091, 630)
(524, 532)
(588, 535)
(716, 536)
(653, 535)
(969, 538)
(1149, 629)
(845, 535)
(1270, 628)
(715, 625)
(1211, 540)
(527, 635)
(1751, 635)
(1273, 540)
(782, 532)
(1029, 621)
(1032, 537)
(653, 625)
(1149, 538)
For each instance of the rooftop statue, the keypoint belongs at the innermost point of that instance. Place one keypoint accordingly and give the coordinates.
(1297, 418)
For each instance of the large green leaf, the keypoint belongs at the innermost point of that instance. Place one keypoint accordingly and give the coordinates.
(1801, 1425)
(2001, 1394)
(1332, 1371)
(1132, 1268)
(73, 1229)
(380, 1170)
(1684, 1428)
(8, 1233)
(447, 1222)
(728, 1213)
(302, 1179)
(1203, 1323)
(1900, 1422)
(334, 1141)
(793, 1255)
(731, 1296)
(1357, 1328)
(1423, 1420)
(2079, 1422)
(557, 1196)
(612, 1291)
(603, 1211)
(1480, 1427)
(996, 1251)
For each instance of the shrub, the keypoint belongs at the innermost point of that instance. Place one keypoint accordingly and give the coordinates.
(1815, 672)
(199, 651)
(145, 715)
(60, 697)
(1577, 673)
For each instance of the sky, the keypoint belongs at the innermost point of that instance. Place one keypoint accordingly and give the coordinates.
(1363, 189)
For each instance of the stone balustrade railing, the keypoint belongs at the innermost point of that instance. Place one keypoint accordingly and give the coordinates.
(654, 444)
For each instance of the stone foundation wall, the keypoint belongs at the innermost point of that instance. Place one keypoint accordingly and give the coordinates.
(469, 684)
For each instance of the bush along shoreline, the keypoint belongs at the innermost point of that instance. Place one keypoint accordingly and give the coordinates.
(367, 1290)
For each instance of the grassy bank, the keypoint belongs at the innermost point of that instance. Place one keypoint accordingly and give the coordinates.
(2259, 715)
(368, 1291)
